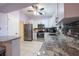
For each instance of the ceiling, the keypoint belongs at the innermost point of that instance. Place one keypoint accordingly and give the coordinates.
(49, 9)
(8, 7)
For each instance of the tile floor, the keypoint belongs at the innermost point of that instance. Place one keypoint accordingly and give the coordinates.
(59, 45)
(30, 48)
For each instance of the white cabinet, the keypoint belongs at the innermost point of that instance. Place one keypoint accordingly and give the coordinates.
(13, 23)
(15, 44)
(12, 45)
(3, 24)
(71, 10)
(9, 24)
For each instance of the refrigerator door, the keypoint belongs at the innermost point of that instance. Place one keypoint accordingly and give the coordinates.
(28, 33)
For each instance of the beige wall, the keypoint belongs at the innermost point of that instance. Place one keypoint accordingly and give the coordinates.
(22, 31)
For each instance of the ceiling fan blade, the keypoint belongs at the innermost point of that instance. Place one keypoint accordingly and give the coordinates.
(40, 13)
(30, 10)
(42, 9)
(35, 7)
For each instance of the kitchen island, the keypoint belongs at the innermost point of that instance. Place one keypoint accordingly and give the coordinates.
(11, 44)
(59, 45)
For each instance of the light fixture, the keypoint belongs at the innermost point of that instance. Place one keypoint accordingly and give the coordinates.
(35, 13)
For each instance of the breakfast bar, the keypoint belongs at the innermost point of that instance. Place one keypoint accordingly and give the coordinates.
(11, 45)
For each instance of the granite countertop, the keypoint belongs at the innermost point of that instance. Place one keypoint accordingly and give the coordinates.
(59, 46)
(8, 38)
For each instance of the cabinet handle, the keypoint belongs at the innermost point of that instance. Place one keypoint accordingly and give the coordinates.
(16, 33)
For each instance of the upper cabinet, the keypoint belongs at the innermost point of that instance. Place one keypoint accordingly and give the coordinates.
(71, 10)
(13, 23)
(67, 10)
(3, 24)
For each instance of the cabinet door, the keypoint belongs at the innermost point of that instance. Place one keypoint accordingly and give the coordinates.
(71, 10)
(3, 24)
(15, 47)
(13, 24)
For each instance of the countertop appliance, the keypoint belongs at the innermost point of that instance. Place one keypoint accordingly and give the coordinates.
(52, 31)
(40, 33)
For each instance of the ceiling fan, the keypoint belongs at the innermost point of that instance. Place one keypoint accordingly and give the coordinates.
(38, 10)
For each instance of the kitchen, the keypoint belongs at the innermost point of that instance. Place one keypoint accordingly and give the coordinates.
(39, 29)
(9, 29)
(42, 25)
(40, 22)
(54, 44)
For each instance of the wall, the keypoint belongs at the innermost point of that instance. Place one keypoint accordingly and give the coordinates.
(52, 21)
(21, 26)
(40, 21)
(3, 24)
(23, 17)
(47, 21)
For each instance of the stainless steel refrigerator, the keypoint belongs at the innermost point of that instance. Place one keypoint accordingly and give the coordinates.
(28, 32)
